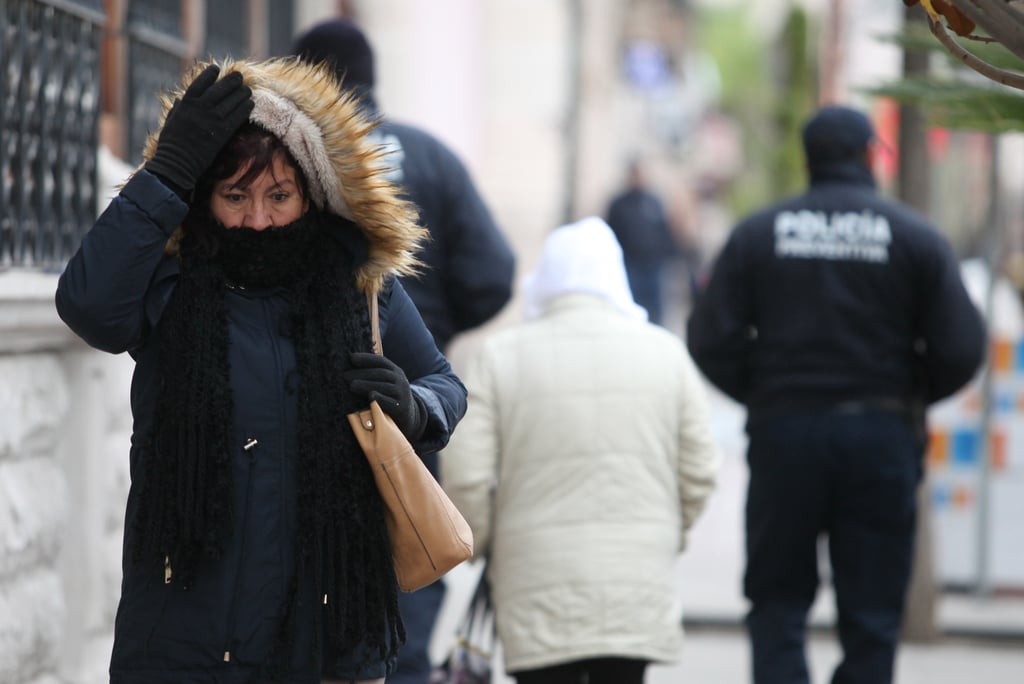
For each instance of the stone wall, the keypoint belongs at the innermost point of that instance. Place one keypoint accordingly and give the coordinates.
(33, 512)
(64, 436)
(65, 426)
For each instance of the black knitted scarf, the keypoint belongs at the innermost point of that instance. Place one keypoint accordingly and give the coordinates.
(186, 516)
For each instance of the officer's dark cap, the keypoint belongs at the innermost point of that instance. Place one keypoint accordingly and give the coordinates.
(836, 134)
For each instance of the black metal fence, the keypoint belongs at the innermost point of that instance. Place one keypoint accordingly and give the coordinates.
(281, 27)
(49, 87)
(50, 96)
(227, 29)
(157, 50)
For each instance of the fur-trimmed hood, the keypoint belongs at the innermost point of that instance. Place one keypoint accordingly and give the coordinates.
(326, 130)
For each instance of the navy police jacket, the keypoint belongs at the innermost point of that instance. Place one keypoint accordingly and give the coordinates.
(836, 295)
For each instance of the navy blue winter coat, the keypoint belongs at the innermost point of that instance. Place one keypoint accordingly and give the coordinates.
(112, 294)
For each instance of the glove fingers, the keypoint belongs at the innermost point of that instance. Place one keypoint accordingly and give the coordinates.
(383, 399)
(389, 405)
(235, 110)
(223, 89)
(203, 81)
(371, 374)
(367, 387)
(174, 108)
(369, 360)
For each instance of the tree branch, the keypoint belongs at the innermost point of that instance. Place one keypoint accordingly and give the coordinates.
(999, 19)
(993, 73)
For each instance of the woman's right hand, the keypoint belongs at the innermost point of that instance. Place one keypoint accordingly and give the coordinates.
(198, 126)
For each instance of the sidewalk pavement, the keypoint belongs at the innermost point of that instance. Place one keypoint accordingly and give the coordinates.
(983, 641)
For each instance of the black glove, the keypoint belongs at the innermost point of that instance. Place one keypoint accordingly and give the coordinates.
(197, 127)
(377, 378)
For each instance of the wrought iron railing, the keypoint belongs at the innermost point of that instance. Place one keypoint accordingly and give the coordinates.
(157, 50)
(227, 29)
(49, 110)
(281, 27)
(50, 97)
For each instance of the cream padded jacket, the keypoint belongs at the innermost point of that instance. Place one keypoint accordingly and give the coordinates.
(584, 457)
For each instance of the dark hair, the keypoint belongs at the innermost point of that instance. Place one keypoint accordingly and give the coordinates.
(252, 148)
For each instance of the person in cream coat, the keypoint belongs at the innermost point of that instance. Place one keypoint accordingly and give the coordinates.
(584, 458)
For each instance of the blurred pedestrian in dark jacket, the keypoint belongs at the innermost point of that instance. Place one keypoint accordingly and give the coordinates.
(470, 264)
(469, 270)
(638, 218)
(835, 316)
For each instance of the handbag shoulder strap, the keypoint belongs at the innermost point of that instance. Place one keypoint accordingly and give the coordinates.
(371, 302)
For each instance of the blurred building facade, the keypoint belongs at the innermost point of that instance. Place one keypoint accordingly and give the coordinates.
(544, 100)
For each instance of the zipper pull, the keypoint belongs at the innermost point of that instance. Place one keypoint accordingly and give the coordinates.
(167, 570)
(250, 443)
(227, 656)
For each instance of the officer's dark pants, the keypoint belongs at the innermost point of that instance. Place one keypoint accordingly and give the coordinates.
(852, 476)
(645, 283)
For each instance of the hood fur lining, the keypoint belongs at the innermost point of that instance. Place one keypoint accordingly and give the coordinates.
(301, 99)
(302, 138)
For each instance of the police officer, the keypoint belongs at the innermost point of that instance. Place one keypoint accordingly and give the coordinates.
(835, 317)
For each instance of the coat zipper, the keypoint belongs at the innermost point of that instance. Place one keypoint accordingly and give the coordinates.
(250, 448)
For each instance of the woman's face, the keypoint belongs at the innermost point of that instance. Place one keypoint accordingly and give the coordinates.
(273, 199)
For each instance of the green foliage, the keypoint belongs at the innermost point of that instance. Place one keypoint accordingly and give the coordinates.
(957, 105)
(794, 103)
(918, 38)
(727, 36)
(768, 90)
(956, 96)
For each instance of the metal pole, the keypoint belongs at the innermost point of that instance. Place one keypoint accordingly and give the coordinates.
(915, 189)
(572, 114)
(983, 580)
(832, 53)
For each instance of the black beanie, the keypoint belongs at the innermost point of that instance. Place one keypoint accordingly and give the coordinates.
(836, 134)
(340, 43)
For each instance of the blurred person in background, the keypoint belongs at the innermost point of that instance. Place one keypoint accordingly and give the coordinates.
(835, 317)
(234, 267)
(583, 461)
(469, 265)
(640, 223)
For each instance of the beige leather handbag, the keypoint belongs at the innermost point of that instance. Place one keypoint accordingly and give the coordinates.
(428, 535)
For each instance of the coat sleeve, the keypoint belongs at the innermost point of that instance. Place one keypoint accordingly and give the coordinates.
(699, 456)
(718, 332)
(409, 344)
(481, 264)
(101, 295)
(469, 466)
(952, 328)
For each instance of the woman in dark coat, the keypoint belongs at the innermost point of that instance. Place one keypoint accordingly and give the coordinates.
(235, 267)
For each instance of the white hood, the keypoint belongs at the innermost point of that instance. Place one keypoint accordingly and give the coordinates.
(581, 257)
